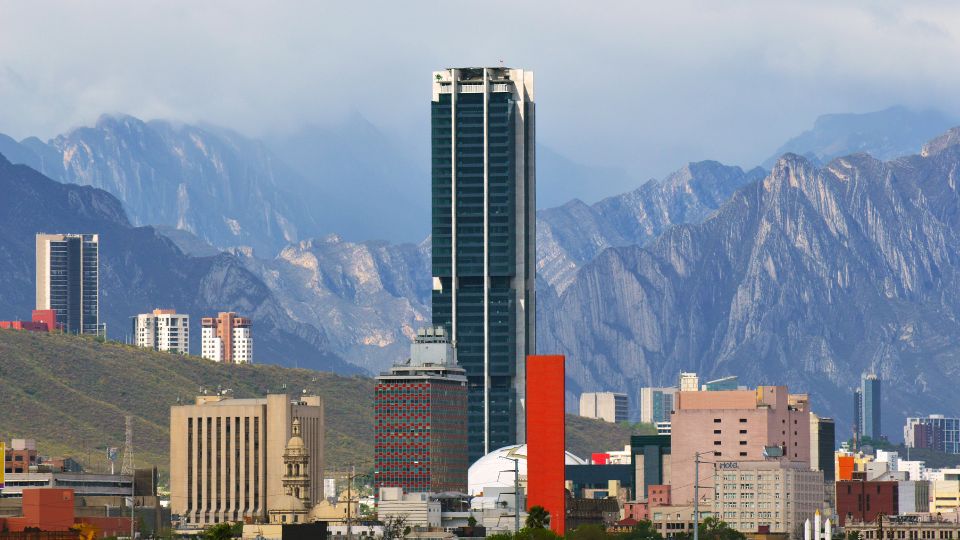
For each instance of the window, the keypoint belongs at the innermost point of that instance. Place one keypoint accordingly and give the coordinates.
(743, 454)
(743, 420)
(716, 420)
(743, 432)
(716, 443)
(743, 443)
(716, 432)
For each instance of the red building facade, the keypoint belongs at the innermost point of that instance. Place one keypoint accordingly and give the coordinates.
(861, 501)
(546, 450)
(420, 421)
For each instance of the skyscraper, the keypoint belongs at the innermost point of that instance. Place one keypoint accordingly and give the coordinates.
(420, 433)
(484, 227)
(68, 280)
(870, 400)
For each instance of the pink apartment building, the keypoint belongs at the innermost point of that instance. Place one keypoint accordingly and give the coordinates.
(733, 426)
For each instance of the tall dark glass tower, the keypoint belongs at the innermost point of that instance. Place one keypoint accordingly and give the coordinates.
(484, 212)
(870, 399)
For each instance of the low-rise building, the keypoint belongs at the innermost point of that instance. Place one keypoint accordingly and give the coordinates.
(162, 330)
(861, 501)
(675, 519)
(42, 320)
(910, 527)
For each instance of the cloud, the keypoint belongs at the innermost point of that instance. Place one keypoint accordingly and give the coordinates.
(639, 85)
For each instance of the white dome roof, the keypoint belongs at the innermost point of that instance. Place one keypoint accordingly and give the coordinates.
(492, 471)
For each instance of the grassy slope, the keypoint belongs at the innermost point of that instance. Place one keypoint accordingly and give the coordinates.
(71, 394)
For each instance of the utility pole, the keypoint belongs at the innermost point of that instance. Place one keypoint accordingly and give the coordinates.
(353, 472)
(516, 492)
(696, 496)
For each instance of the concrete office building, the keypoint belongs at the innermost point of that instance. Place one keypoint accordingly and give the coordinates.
(68, 280)
(607, 406)
(227, 456)
(934, 432)
(870, 403)
(227, 338)
(778, 494)
(737, 425)
(420, 420)
(483, 237)
(656, 404)
(163, 330)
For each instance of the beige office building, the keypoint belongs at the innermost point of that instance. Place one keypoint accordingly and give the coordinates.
(227, 456)
(779, 494)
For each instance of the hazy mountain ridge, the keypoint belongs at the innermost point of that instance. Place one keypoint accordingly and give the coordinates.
(808, 277)
(221, 186)
(141, 270)
(886, 134)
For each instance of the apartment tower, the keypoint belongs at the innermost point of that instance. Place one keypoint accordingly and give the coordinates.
(483, 231)
(163, 330)
(420, 420)
(68, 280)
(229, 457)
(226, 338)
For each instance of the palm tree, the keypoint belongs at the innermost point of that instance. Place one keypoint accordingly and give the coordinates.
(538, 518)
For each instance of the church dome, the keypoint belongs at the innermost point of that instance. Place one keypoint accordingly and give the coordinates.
(287, 504)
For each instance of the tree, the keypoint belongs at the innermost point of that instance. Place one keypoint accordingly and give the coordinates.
(223, 531)
(395, 526)
(713, 529)
(471, 521)
(643, 530)
(587, 532)
(538, 518)
(853, 535)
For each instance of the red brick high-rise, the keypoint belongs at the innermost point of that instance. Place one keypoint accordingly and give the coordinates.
(546, 451)
(420, 420)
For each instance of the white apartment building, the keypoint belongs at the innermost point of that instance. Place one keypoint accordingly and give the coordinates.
(227, 338)
(163, 330)
(751, 494)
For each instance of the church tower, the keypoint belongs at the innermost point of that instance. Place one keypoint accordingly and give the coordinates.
(296, 460)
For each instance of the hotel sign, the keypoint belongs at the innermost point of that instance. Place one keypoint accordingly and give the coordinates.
(723, 465)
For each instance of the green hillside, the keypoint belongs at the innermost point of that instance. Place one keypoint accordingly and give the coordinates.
(71, 394)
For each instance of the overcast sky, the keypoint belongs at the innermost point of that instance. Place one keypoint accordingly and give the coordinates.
(644, 86)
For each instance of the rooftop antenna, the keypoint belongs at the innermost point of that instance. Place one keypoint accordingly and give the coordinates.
(501, 62)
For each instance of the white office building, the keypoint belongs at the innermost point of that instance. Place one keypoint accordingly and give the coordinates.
(607, 406)
(163, 330)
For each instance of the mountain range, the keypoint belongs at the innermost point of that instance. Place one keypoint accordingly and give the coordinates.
(141, 269)
(799, 273)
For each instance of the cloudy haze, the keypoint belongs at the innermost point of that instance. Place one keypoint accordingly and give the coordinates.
(643, 87)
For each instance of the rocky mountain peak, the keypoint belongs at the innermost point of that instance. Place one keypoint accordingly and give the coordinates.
(937, 145)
